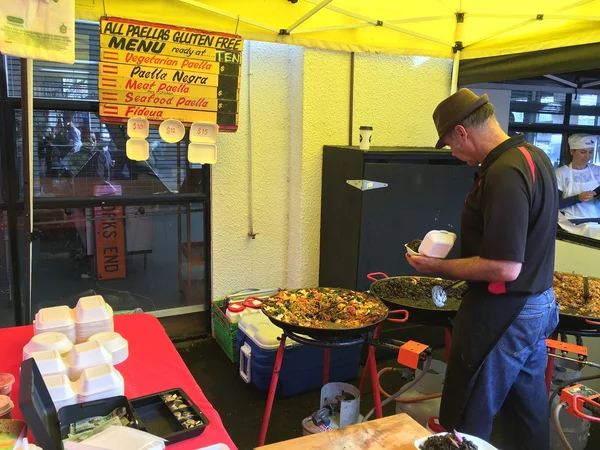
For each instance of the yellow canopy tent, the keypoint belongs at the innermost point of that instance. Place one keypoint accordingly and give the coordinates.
(459, 29)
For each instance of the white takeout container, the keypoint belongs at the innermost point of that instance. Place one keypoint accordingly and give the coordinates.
(114, 343)
(480, 443)
(55, 317)
(92, 309)
(410, 251)
(50, 363)
(437, 243)
(47, 341)
(97, 381)
(86, 355)
(202, 153)
(61, 390)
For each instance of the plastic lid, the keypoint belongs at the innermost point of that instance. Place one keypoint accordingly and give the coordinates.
(6, 404)
(253, 303)
(434, 425)
(236, 307)
(6, 379)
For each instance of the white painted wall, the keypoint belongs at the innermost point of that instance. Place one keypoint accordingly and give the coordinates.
(300, 102)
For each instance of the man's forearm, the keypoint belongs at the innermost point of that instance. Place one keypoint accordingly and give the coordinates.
(479, 269)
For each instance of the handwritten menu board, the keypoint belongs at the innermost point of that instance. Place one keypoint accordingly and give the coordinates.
(162, 72)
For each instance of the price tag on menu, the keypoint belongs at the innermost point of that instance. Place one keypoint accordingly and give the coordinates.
(171, 131)
(137, 128)
(204, 132)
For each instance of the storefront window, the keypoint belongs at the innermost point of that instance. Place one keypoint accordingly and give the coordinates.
(7, 289)
(75, 155)
(585, 110)
(529, 107)
(549, 142)
(134, 256)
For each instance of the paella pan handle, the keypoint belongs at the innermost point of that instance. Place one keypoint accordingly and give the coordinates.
(591, 322)
(398, 311)
(376, 276)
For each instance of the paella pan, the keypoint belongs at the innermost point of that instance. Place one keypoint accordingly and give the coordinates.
(578, 298)
(325, 312)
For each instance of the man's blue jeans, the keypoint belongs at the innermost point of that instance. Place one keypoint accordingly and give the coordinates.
(512, 378)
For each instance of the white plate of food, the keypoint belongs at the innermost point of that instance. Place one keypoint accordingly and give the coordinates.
(469, 442)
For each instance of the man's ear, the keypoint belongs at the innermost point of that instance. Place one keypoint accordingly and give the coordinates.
(461, 131)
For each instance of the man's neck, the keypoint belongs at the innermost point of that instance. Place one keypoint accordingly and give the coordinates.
(488, 140)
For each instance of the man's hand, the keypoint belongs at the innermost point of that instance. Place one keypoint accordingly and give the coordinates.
(423, 264)
(586, 196)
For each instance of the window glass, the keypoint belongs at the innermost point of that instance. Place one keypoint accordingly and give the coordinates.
(585, 110)
(7, 290)
(529, 107)
(150, 263)
(549, 142)
(75, 155)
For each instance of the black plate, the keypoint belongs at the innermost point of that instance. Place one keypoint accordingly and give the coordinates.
(326, 333)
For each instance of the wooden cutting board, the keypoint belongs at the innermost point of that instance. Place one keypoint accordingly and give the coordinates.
(396, 432)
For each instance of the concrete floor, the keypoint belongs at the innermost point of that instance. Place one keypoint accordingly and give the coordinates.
(241, 405)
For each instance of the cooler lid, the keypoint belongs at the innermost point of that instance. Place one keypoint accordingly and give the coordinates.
(37, 407)
(260, 330)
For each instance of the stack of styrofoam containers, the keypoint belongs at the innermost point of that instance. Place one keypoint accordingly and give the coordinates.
(86, 355)
(92, 315)
(114, 343)
(62, 391)
(50, 363)
(47, 341)
(99, 382)
(95, 383)
(58, 319)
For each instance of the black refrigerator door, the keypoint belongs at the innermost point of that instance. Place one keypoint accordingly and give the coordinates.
(419, 198)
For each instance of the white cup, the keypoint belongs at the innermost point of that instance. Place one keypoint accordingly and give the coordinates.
(365, 137)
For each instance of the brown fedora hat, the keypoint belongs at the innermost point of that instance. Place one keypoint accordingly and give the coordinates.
(454, 110)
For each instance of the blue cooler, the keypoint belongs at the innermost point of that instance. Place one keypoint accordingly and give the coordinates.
(302, 368)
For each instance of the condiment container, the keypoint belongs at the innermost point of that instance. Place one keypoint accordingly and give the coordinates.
(6, 407)
(6, 383)
(235, 311)
(253, 305)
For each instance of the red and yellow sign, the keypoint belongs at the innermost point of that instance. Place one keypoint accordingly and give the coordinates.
(164, 72)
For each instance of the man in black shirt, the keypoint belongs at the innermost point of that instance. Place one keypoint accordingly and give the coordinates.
(508, 228)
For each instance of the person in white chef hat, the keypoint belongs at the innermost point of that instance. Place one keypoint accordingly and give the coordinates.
(579, 181)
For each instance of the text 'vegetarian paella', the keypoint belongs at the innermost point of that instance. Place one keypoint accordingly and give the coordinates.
(325, 308)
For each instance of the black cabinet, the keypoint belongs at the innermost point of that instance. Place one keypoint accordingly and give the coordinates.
(374, 202)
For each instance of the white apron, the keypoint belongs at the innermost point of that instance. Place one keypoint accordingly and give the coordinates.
(581, 210)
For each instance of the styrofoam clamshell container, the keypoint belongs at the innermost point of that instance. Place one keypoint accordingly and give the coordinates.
(98, 380)
(437, 243)
(47, 341)
(115, 344)
(86, 355)
(50, 363)
(92, 309)
(61, 389)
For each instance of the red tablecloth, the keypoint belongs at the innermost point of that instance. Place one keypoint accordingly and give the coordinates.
(153, 365)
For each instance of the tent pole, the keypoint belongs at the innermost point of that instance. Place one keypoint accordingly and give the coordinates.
(455, 66)
(308, 15)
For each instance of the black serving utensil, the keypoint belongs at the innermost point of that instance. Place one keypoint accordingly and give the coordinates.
(586, 289)
(439, 294)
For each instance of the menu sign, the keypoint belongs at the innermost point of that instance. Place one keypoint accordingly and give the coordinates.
(162, 72)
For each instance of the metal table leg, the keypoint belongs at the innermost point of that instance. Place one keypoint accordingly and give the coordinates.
(272, 388)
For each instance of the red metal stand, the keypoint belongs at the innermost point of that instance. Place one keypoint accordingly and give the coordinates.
(271, 397)
(550, 367)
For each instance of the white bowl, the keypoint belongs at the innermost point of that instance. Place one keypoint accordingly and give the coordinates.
(86, 355)
(47, 341)
(50, 363)
(481, 444)
(92, 309)
(99, 379)
(114, 343)
(437, 243)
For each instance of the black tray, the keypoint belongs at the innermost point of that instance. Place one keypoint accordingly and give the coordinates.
(48, 426)
(154, 416)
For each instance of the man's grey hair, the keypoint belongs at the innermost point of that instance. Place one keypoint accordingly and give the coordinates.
(479, 117)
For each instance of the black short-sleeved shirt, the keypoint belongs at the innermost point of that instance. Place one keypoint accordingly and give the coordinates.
(511, 213)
